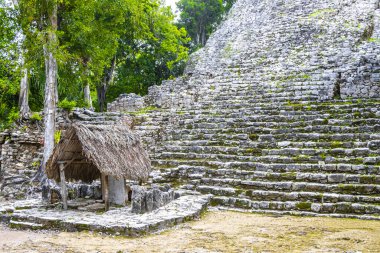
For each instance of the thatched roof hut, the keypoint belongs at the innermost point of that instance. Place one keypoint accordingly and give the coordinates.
(89, 151)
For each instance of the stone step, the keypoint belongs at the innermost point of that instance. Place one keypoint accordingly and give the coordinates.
(286, 186)
(315, 197)
(273, 167)
(248, 103)
(254, 115)
(336, 149)
(355, 189)
(117, 221)
(321, 178)
(25, 225)
(205, 108)
(291, 105)
(261, 145)
(320, 118)
(327, 208)
(235, 177)
(250, 128)
(281, 137)
(257, 157)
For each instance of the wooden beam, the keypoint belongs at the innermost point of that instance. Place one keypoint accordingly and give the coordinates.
(63, 185)
(68, 162)
(106, 193)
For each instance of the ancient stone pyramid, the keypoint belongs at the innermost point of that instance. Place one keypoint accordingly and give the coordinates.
(278, 113)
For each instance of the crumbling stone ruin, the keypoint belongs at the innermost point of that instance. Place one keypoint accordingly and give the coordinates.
(279, 113)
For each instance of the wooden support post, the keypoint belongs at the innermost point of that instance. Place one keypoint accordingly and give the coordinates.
(106, 193)
(63, 185)
(102, 179)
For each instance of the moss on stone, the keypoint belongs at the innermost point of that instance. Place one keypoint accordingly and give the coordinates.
(144, 110)
(321, 12)
(253, 137)
(214, 202)
(367, 179)
(336, 144)
(306, 206)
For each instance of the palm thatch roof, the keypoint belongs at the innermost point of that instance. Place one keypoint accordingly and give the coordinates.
(89, 151)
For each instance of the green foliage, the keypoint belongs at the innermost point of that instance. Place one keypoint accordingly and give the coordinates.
(150, 54)
(13, 116)
(374, 40)
(199, 18)
(67, 105)
(36, 117)
(57, 136)
(139, 35)
(36, 164)
(9, 69)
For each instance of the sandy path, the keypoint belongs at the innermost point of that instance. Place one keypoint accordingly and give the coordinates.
(216, 232)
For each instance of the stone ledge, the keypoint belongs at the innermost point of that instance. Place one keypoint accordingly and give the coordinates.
(118, 221)
(296, 213)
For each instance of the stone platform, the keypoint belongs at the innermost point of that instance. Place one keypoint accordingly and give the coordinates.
(118, 221)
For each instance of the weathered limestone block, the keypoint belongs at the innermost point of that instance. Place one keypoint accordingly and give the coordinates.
(117, 193)
(138, 194)
(146, 200)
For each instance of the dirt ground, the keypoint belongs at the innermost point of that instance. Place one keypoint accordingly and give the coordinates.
(215, 232)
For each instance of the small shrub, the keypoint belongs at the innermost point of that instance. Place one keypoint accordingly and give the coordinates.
(35, 117)
(82, 104)
(13, 116)
(57, 136)
(67, 105)
(36, 164)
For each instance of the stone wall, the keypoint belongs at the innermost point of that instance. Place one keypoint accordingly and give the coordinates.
(146, 200)
(180, 93)
(361, 78)
(21, 153)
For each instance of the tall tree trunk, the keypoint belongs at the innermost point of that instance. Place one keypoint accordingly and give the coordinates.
(203, 36)
(24, 88)
(106, 81)
(87, 96)
(23, 98)
(51, 69)
(101, 91)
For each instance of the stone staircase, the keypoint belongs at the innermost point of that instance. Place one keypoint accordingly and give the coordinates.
(310, 157)
(278, 113)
